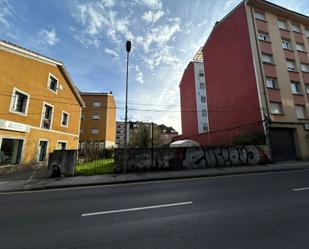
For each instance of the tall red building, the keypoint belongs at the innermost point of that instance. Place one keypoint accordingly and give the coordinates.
(256, 69)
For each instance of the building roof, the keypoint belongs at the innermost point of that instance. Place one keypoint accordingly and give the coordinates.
(96, 93)
(5, 45)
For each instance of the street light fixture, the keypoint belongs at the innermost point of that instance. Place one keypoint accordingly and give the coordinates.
(125, 163)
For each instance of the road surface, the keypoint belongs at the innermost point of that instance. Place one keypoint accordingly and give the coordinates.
(249, 211)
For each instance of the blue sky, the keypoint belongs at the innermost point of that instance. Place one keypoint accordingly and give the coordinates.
(89, 37)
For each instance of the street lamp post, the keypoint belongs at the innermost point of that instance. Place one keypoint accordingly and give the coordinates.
(125, 163)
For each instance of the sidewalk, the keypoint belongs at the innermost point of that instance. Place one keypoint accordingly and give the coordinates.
(78, 181)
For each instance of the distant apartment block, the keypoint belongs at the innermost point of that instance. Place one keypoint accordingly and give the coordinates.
(257, 78)
(165, 133)
(98, 119)
(40, 106)
(193, 100)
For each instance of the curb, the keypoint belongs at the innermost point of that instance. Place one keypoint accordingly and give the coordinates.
(154, 179)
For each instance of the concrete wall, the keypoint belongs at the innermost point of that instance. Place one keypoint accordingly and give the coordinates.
(191, 158)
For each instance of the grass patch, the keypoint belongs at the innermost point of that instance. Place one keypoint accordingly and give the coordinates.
(96, 167)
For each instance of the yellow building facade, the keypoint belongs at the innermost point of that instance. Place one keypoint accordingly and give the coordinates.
(40, 107)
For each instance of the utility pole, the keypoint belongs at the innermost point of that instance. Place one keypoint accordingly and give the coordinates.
(152, 144)
(125, 161)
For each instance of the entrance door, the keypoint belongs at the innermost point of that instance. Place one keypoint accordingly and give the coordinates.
(10, 152)
(282, 144)
(42, 150)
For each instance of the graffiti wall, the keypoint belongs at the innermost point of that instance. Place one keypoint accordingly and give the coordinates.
(191, 158)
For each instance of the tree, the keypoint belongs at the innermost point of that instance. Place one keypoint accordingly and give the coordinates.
(141, 136)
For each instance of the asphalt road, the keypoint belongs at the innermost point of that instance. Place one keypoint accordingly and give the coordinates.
(248, 211)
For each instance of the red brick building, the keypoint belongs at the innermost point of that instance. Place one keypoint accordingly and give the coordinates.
(256, 68)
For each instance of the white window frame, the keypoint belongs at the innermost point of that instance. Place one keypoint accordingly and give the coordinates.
(42, 115)
(48, 83)
(202, 98)
(259, 15)
(204, 112)
(307, 88)
(300, 47)
(62, 141)
(38, 149)
(267, 56)
(274, 83)
(280, 108)
(296, 27)
(202, 84)
(13, 102)
(304, 67)
(67, 125)
(284, 26)
(298, 84)
(95, 133)
(286, 44)
(97, 114)
(98, 101)
(290, 69)
(303, 109)
(263, 36)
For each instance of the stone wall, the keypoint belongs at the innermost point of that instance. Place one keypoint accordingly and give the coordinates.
(191, 158)
(64, 159)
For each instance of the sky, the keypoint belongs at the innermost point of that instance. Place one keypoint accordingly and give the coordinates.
(89, 37)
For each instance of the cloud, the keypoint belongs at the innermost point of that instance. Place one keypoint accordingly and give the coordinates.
(48, 37)
(6, 11)
(139, 75)
(112, 53)
(98, 19)
(152, 4)
(152, 16)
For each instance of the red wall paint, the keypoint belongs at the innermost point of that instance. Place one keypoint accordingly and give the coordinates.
(189, 121)
(230, 80)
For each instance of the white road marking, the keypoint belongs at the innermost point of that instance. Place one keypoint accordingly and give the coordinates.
(31, 177)
(300, 189)
(138, 208)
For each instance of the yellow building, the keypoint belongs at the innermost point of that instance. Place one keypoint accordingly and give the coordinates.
(40, 107)
(98, 119)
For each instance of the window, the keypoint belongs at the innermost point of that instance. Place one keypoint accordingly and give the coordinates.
(307, 32)
(304, 68)
(307, 88)
(203, 99)
(47, 116)
(94, 131)
(286, 44)
(204, 112)
(202, 85)
(282, 24)
(296, 28)
(275, 108)
(260, 16)
(52, 83)
(295, 87)
(10, 151)
(300, 47)
(96, 103)
(263, 37)
(271, 83)
(205, 127)
(43, 144)
(201, 73)
(300, 111)
(19, 102)
(65, 119)
(291, 65)
(61, 145)
(82, 116)
(268, 59)
(95, 116)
